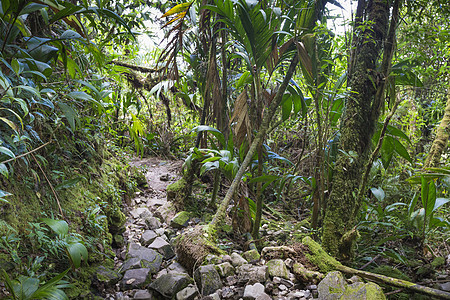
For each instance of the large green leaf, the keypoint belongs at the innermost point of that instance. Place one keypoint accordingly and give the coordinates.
(213, 131)
(439, 202)
(378, 193)
(77, 251)
(24, 287)
(70, 114)
(60, 227)
(401, 150)
(6, 151)
(286, 107)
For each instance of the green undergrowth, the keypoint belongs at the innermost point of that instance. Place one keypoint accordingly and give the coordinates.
(92, 184)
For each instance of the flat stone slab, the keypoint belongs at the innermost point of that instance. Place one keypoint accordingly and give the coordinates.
(163, 247)
(151, 256)
(168, 285)
(135, 279)
(148, 237)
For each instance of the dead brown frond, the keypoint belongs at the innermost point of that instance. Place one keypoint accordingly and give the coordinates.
(240, 118)
(175, 16)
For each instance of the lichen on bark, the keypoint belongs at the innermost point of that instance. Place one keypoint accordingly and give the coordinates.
(357, 128)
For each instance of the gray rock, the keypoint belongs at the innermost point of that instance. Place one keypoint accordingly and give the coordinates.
(106, 277)
(188, 293)
(445, 286)
(278, 268)
(148, 237)
(225, 269)
(207, 279)
(214, 296)
(160, 231)
(142, 295)
(176, 268)
(296, 295)
(253, 291)
(362, 291)
(140, 212)
(166, 212)
(180, 220)
(252, 274)
(156, 202)
(153, 259)
(163, 247)
(332, 286)
(135, 279)
(168, 285)
(251, 255)
(237, 260)
(153, 223)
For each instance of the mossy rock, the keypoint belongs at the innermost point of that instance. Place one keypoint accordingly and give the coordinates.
(177, 193)
(180, 220)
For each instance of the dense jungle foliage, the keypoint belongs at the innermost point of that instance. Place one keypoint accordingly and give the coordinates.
(281, 108)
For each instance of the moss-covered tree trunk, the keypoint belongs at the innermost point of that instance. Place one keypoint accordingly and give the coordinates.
(357, 128)
(441, 140)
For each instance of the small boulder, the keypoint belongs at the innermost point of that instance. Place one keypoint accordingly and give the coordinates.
(180, 220)
(135, 279)
(152, 222)
(153, 259)
(176, 267)
(237, 260)
(332, 286)
(225, 269)
(362, 291)
(148, 237)
(168, 285)
(277, 268)
(188, 293)
(105, 277)
(253, 291)
(207, 279)
(251, 255)
(166, 212)
(163, 247)
(251, 274)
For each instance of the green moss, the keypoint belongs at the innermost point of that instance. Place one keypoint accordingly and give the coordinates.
(438, 262)
(319, 257)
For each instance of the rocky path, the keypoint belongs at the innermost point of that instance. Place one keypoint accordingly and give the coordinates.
(147, 267)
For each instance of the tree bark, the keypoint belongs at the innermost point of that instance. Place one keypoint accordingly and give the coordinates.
(440, 142)
(357, 129)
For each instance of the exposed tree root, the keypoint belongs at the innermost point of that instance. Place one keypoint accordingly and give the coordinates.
(327, 263)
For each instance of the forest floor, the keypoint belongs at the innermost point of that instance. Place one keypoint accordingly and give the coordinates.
(147, 266)
(148, 255)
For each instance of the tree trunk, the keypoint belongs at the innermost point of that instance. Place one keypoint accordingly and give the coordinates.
(441, 140)
(221, 211)
(357, 128)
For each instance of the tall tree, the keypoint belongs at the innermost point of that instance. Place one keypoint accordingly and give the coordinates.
(362, 110)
